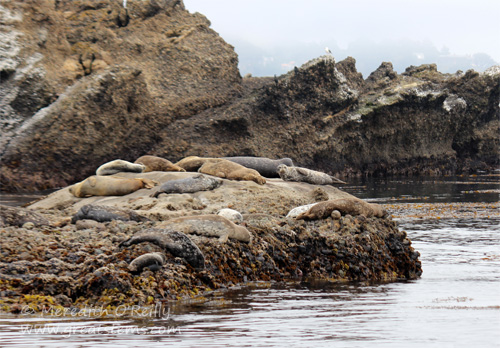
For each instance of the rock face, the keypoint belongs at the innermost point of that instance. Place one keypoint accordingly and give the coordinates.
(325, 116)
(83, 82)
(86, 82)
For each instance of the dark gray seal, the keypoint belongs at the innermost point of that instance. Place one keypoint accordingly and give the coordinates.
(307, 175)
(192, 184)
(102, 213)
(16, 216)
(265, 166)
(176, 243)
(153, 261)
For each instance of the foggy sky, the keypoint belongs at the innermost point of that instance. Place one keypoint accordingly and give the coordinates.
(455, 27)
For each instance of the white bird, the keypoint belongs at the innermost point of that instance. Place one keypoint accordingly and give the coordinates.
(124, 3)
(327, 50)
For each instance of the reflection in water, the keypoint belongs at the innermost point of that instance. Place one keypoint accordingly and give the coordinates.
(455, 303)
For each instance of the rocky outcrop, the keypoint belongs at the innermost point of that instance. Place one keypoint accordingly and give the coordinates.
(324, 116)
(86, 82)
(47, 267)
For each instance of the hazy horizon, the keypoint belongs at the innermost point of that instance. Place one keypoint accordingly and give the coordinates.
(271, 37)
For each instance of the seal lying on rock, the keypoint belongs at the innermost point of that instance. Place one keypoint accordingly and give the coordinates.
(231, 214)
(118, 166)
(192, 184)
(193, 163)
(232, 171)
(153, 261)
(109, 186)
(102, 213)
(352, 206)
(265, 166)
(157, 164)
(299, 210)
(209, 225)
(16, 216)
(306, 175)
(176, 243)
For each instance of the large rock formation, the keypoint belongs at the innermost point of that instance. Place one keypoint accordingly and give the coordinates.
(48, 265)
(84, 82)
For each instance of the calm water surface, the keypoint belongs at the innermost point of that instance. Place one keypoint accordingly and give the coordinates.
(456, 302)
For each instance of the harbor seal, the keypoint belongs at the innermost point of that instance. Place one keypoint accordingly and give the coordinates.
(153, 261)
(299, 210)
(352, 206)
(231, 214)
(265, 166)
(17, 216)
(209, 225)
(232, 171)
(174, 242)
(307, 175)
(102, 213)
(192, 184)
(118, 166)
(157, 164)
(193, 163)
(109, 186)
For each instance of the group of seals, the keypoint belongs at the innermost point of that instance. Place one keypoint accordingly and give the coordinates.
(174, 242)
(103, 213)
(143, 164)
(265, 166)
(211, 226)
(158, 164)
(192, 184)
(352, 206)
(109, 186)
(306, 175)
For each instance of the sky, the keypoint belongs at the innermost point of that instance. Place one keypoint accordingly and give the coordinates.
(284, 33)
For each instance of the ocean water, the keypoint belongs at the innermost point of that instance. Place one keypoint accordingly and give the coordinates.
(454, 222)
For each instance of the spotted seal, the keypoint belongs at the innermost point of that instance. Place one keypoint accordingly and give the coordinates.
(17, 216)
(265, 166)
(174, 242)
(307, 175)
(109, 186)
(103, 213)
(153, 261)
(231, 214)
(352, 206)
(157, 164)
(232, 171)
(299, 210)
(192, 184)
(209, 225)
(118, 166)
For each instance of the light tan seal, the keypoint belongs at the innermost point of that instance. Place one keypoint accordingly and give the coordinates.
(193, 163)
(158, 164)
(307, 175)
(109, 186)
(118, 166)
(210, 226)
(232, 171)
(353, 206)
